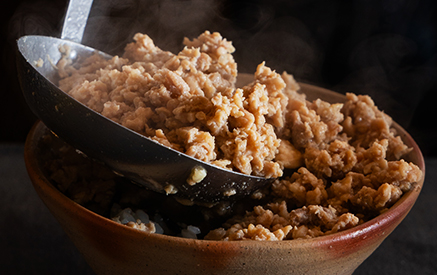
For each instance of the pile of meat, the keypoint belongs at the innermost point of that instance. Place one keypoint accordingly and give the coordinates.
(347, 158)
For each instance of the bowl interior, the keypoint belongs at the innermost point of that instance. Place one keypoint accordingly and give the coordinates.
(91, 232)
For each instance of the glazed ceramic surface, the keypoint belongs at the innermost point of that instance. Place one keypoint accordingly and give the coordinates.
(112, 248)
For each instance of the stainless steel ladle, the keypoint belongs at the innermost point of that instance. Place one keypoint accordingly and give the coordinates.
(128, 153)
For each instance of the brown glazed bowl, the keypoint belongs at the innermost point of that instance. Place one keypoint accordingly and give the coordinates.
(112, 248)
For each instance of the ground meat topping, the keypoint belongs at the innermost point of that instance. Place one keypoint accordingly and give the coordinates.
(343, 161)
(276, 223)
(189, 101)
(365, 123)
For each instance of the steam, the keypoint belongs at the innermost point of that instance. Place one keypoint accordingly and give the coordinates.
(258, 34)
(284, 48)
(38, 17)
(380, 66)
(112, 24)
(346, 47)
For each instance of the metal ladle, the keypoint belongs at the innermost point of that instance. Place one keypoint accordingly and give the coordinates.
(128, 153)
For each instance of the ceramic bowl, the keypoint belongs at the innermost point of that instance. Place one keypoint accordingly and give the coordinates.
(112, 248)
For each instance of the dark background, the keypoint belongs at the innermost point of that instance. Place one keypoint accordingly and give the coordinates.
(384, 48)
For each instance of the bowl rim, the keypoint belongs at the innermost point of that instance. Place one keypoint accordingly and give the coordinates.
(396, 212)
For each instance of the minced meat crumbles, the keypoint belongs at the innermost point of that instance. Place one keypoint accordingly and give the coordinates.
(345, 158)
(188, 101)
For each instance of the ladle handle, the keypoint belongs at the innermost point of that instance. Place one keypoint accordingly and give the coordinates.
(76, 19)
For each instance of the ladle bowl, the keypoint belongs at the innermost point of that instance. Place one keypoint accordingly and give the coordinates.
(128, 153)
